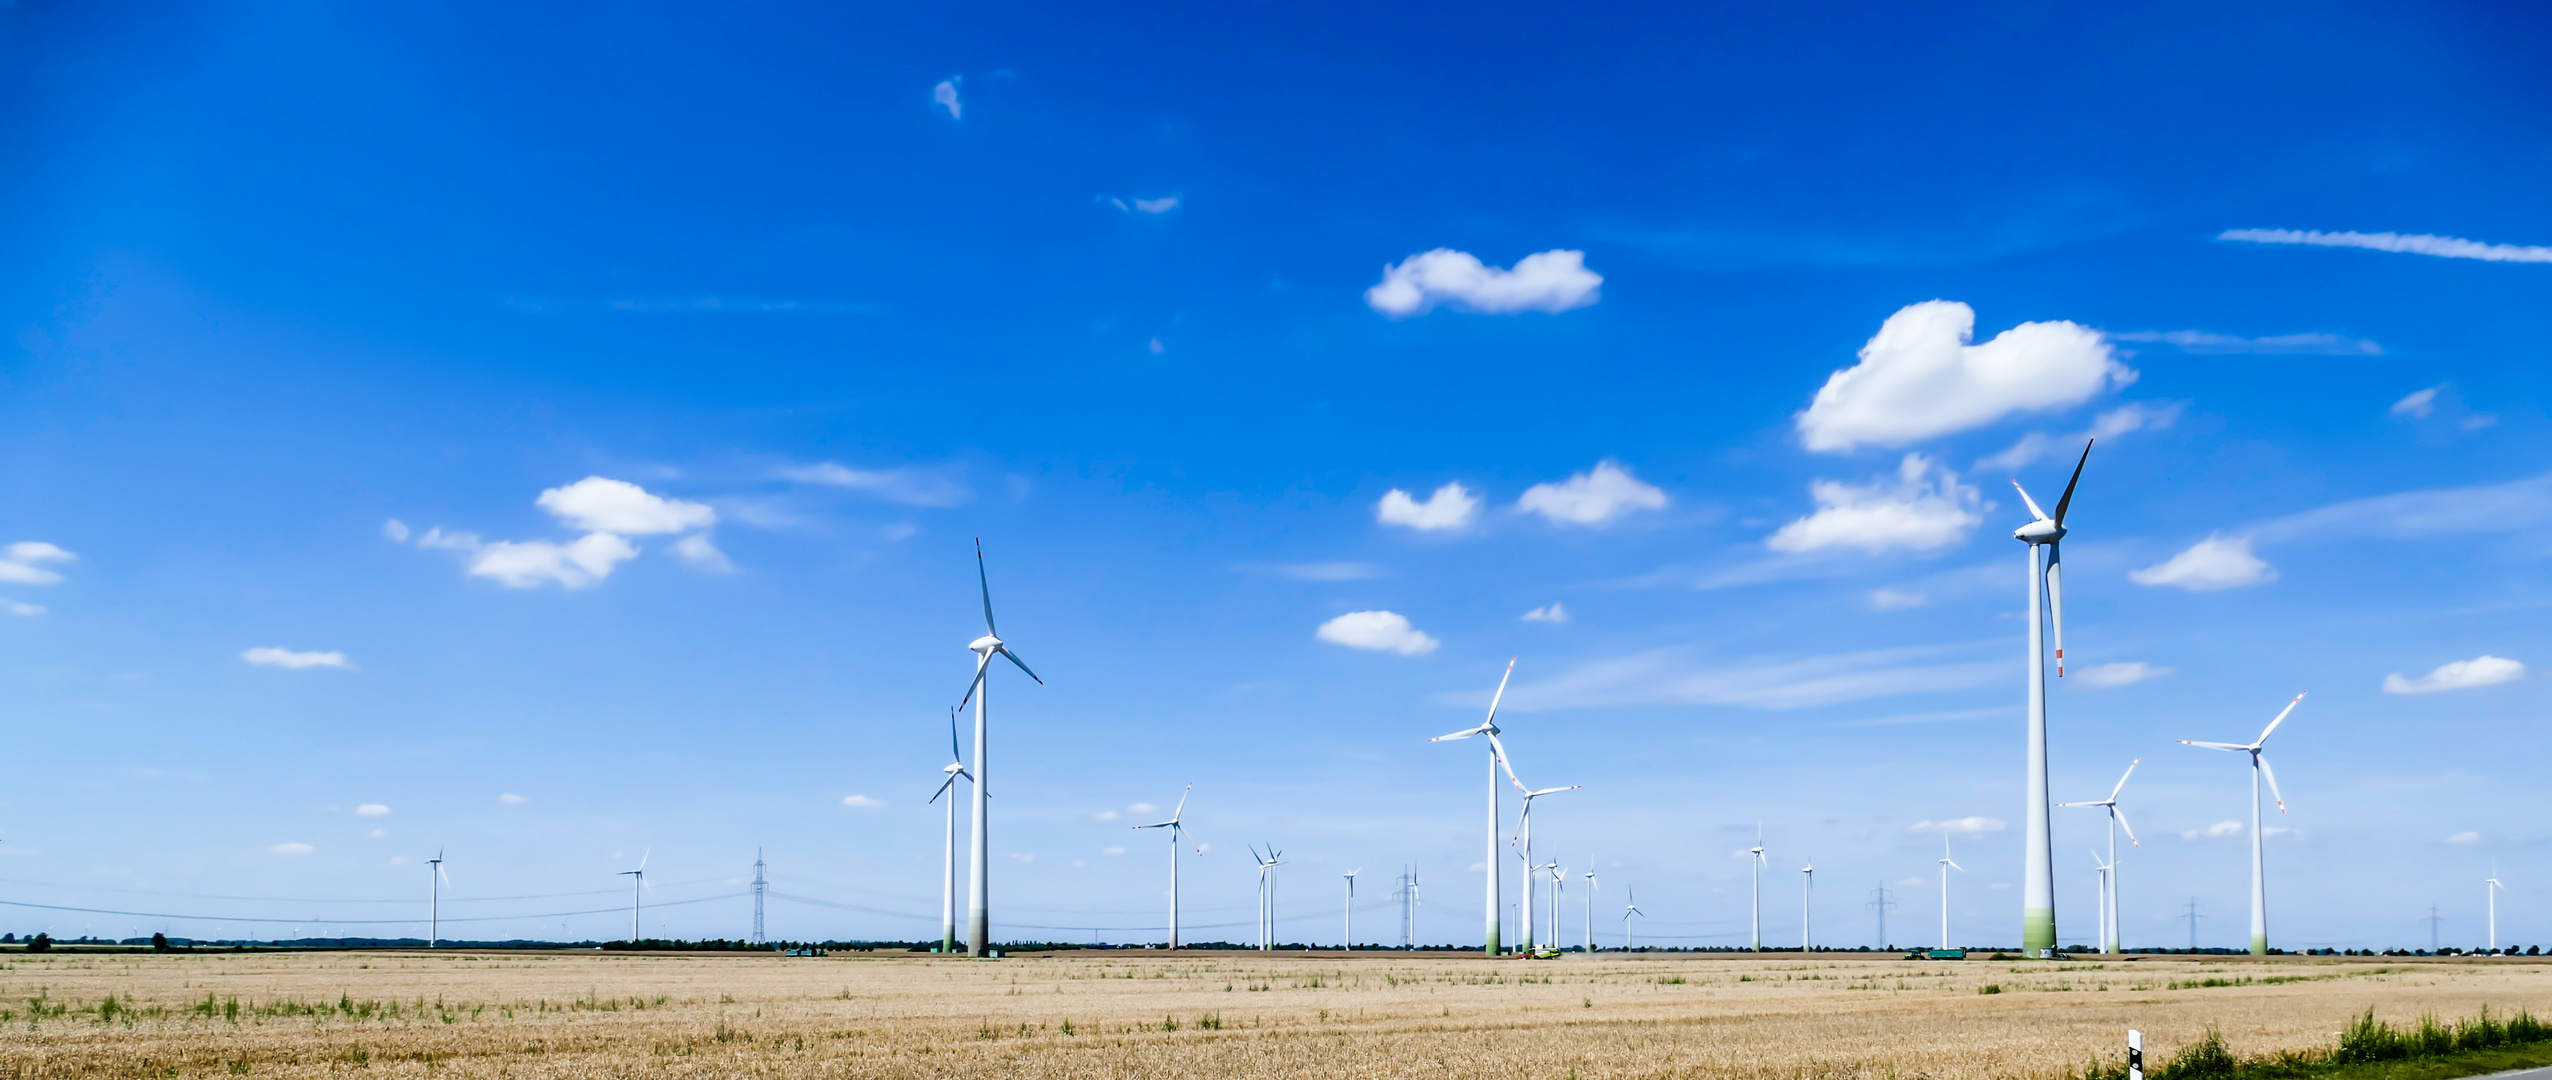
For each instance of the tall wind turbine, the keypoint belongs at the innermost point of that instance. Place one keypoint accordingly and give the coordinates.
(436, 881)
(1266, 896)
(2491, 888)
(2259, 769)
(2038, 880)
(1757, 852)
(1629, 910)
(2109, 870)
(948, 851)
(978, 886)
(1590, 905)
(637, 884)
(1497, 755)
(1526, 829)
(1347, 932)
(1807, 907)
(1177, 833)
(1559, 887)
(1946, 866)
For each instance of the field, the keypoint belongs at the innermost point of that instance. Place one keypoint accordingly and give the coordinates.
(1142, 1015)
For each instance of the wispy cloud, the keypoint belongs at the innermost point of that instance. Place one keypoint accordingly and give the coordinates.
(2205, 343)
(1550, 613)
(2483, 670)
(2105, 676)
(862, 802)
(2446, 247)
(268, 656)
(2217, 831)
(1553, 281)
(1920, 378)
(2130, 417)
(1686, 675)
(23, 562)
(1970, 826)
(1596, 497)
(1338, 570)
(911, 487)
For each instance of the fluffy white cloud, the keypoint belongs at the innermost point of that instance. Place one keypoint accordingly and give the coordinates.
(862, 801)
(511, 799)
(395, 530)
(372, 809)
(2217, 831)
(1552, 613)
(1971, 826)
(1379, 631)
(1112, 851)
(17, 607)
(2104, 676)
(2418, 406)
(1919, 378)
(292, 849)
(1924, 507)
(2484, 670)
(1896, 599)
(23, 562)
(1596, 497)
(1451, 507)
(1552, 281)
(2464, 839)
(703, 555)
(2130, 417)
(2201, 342)
(2209, 565)
(270, 656)
(2447, 247)
(529, 564)
(944, 95)
(911, 487)
(598, 504)
(1162, 205)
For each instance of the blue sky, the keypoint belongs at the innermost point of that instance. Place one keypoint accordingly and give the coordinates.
(591, 412)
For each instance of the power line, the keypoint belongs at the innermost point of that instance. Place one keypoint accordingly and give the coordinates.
(349, 922)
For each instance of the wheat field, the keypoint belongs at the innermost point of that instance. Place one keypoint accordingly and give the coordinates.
(1132, 1014)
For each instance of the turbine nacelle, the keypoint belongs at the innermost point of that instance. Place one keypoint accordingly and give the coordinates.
(2041, 531)
(986, 643)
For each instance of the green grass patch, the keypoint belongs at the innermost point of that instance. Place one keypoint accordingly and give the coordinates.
(2369, 1050)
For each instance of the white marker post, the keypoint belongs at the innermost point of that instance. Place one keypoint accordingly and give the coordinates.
(2135, 1054)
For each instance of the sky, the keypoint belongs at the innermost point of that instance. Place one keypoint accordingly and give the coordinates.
(559, 437)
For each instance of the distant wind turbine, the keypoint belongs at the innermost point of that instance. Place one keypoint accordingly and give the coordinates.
(1757, 852)
(948, 851)
(1559, 887)
(2259, 771)
(1590, 905)
(434, 900)
(2491, 888)
(637, 884)
(979, 884)
(2109, 869)
(1497, 755)
(1347, 932)
(1525, 829)
(1629, 910)
(1176, 834)
(1946, 866)
(1807, 907)
(2038, 879)
(1266, 896)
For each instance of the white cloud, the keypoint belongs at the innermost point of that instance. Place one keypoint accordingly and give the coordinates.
(511, 799)
(1143, 808)
(2510, 507)
(1451, 507)
(2484, 670)
(2217, 831)
(2104, 676)
(396, 530)
(2464, 839)
(1679, 675)
(269, 656)
(436, 538)
(378, 833)
(862, 801)
(911, 487)
(1161, 205)
(1596, 497)
(1553, 281)
(703, 555)
(1925, 507)
(17, 607)
(2201, 342)
(2446, 247)
(19, 562)
(1551, 613)
(1919, 378)
(598, 504)
(529, 564)
(1023, 856)
(292, 849)
(1317, 571)
(1112, 851)
(2418, 406)
(2209, 565)
(1104, 815)
(2130, 417)
(1969, 826)
(1896, 599)
(371, 809)
(1379, 631)
(944, 95)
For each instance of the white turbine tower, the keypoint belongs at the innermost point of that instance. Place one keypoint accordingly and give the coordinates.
(1757, 852)
(2490, 888)
(1526, 830)
(1590, 905)
(978, 885)
(1497, 756)
(1559, 887)
(637, 885)
(948, 850)
(1629, 910)
(1347, 930)
(1807, 907)
(1946, 866)
(434, 899)
(2259, 770)
(2038, 879)
(1266, 896)
(2109, 869)
(1176, 834)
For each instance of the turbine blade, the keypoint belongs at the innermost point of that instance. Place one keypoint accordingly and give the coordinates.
(2215, 745)
(2067, 499)
(2035, 513)
(1955, 866)
(1499, 748)
(943, 788)
(1463, 734)
(954, 752)
(1491, 723)
(643, 857)
(2122, 779)
(2121, 815)
(2271, 776)
(981, 662)
(986, 583)
(1549, 790)
(1023, 665)
(1182, 807)
(2281, 718)
(2056, 594)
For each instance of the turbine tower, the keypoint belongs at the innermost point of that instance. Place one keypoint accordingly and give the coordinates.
(1559, 887)
(2109, 870)
(1628, 910)
(978, 885)
(1176, 834)
(637, 884)
(1497, 756)
(2491, 889)
(2259, 770)
(2038, 879)
(1266, 896)
(1347, 932)
(1526, 829)
(434, 899)
(1946, 866)
(1590, 905)
(1757, 852)
(1807, 908)
(955, 768)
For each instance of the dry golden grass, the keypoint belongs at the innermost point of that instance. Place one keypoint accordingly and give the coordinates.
(1133, 1015)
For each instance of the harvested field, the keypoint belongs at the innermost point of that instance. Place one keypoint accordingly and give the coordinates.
(1140, 1015)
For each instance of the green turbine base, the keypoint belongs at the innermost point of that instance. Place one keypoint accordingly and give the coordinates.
(2259, 944)
(2037, 931)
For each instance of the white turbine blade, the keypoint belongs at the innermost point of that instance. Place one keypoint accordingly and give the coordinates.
(2082, 804)
(1182, 806)
(1549, 790)
(2215, 745)
(986, 583)
(2034, 512)
(2066, 499)
(954, 753)
(1499, 749)
(1955, 866)
(1154, 825)
(2056, 593)
(981, 662)
(1023, 665)
(1494, 699)
(1462, 734)
(943, 787)
(2121, 815)
(440, 872)
(2095, 861)
(642, 859)
(2122, 779)
(2281, 718)
(2271, 775)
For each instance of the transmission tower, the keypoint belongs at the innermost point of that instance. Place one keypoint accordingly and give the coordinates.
(1880, 901)
(758, 886)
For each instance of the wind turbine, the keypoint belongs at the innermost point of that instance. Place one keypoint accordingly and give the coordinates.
(1559, 888)
(2259, 769)
(1590, 905)
(638, 881)
(1757, 852)
(1347, 934)
(2491, 889)
(1629, 910)
(1497, 756)
(1807, 907)
(2038, 880)
(434, 899)
(1266, 896)
(978, 885)
(1177, 832)
(2109, 870)
(1946, 866)
(948, 851)
(1526, 828)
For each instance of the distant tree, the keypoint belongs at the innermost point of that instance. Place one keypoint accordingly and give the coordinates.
(159, 943)
(40, 942)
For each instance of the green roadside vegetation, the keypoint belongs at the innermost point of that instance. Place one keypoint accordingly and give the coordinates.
(2369, 1050)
